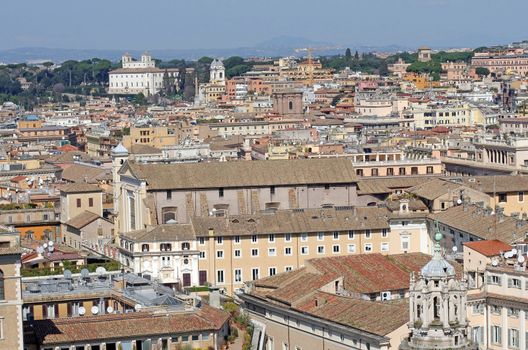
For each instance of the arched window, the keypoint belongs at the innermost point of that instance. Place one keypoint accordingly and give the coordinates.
(165, 247)
(2, 285)
(290, 105)
(169, 214)
(144, 247)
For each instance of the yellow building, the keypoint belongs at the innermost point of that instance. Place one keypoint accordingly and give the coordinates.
(155, 136)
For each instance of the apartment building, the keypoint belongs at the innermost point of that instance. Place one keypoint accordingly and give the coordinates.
(32, 223)
(497, 302)
(508, 62)
(115, 311)
(254, 128)
(155, 136)
(228, 250)
(428, 117)
(511, 152)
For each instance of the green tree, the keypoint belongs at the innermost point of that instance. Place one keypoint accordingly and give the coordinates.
(348, 54)
(140, 99)
(482, 71)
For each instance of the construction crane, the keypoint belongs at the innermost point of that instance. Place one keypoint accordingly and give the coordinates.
(310, 51)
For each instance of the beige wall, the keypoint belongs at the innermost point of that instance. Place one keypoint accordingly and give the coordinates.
(69, 208)
(11, 307)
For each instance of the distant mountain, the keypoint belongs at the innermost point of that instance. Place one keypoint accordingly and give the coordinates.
(279, 46)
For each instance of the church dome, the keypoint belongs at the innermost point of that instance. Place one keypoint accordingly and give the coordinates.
(437, 268)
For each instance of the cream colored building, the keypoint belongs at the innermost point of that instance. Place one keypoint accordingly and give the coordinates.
(498, 302)
(11, 333)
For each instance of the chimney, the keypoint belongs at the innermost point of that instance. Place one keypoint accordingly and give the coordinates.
(214, 297)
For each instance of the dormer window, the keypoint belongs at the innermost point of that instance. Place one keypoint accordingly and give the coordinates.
(145, 248)
(165, 247)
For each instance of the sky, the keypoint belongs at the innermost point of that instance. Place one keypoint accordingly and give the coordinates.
(197, 24)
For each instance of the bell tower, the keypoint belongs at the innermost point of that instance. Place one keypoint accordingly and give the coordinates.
(119, 157)
(437, 306)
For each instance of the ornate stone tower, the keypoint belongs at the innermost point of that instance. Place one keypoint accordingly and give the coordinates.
(437, 307)
(217, 72)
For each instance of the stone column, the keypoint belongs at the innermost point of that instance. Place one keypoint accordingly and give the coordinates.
(444, 312)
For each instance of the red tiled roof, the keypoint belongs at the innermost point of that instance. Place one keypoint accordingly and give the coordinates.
(129, 325)
(489, 247)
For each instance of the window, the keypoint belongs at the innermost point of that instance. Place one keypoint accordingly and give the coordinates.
(521, 196)
(384, 233)
(272, 252)
(219, 240)
(254, 252)
(288, 268)
(351, 248)
(429, 170)
(167, 247)
(385, 247)
(514, 283)
(287, 251)
(368, 234)
(201, 240)
(78, 202)
(219, 276)
(168, 214)
(237, 239)
(414, 170)
(255, 273)
(401, 171)
(390, 171)
(513, 338)
(304, 237)
(336, 235)
(287, 237)
(90, 202)
(254, 239)
(195, 337)
(202, 255)
(502, 198)
(221, 192)
(368, 247)
(169, 194)
(271, 238)
(359, 172)
(320, 249)
(374, 171)
(272, 271)
(320, 236)
(272, 190)
(238, 275)
(220, 254)
(205, 336)
(335, 248)
(496, 334)
(304, 250)
(350, 234)
(237, 253)
(145, 248)
(494, 279)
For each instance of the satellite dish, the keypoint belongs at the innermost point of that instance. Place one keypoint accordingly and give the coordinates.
(459, 201)
(51, 249)
(494, 262)
(521, 259)
(82, 310)
(455, 248)
(109, 309)
(50, 244)
(85, 273)
(45, 245)
(514, 251)
(508, 255)
(100, 270)
(95, 310)
(40, 250)
(137, 307)
(67, 274)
